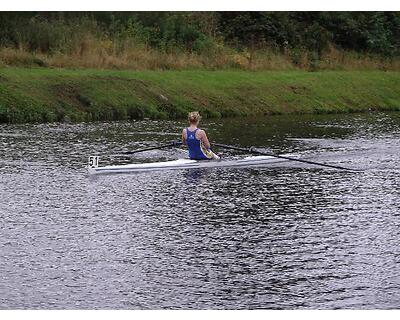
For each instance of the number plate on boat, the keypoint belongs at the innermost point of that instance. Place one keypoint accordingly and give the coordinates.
(93, 161)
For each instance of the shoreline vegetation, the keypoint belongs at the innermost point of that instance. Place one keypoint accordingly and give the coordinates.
(52, 95)
(256, 41)
(90, 66)
(253, 41)
(94, 55)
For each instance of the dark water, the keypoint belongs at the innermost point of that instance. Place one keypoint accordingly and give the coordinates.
(293, 236)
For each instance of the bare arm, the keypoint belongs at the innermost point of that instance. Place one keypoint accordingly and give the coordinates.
(184, 136)
(204, 139)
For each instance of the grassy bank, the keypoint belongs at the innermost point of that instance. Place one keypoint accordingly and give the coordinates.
(41, 95)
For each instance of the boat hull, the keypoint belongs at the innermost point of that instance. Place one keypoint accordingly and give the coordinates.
(183, 164)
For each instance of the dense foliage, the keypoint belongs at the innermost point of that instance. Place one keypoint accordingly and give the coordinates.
(377, 32)
(205, 33)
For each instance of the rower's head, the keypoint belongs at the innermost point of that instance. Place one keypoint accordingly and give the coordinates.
(194, 118)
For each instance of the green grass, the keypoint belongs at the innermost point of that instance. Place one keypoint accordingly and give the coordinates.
(44, 95)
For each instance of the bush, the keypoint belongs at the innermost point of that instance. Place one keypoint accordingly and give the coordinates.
(189, 40)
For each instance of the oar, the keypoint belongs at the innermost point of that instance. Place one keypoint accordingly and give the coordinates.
(254, 151)
(163, 146)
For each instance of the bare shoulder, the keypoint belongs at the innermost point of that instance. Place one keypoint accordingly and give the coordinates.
(184, 131)
(200, 133)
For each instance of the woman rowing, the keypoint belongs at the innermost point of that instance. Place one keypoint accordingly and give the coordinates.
(196, 140)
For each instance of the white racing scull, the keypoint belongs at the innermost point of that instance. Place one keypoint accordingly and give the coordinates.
(261, 160)
(254, 161)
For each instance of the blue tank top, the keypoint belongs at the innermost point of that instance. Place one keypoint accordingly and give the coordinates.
(194, 145)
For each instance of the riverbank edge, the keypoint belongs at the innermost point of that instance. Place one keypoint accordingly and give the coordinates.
(52, 95)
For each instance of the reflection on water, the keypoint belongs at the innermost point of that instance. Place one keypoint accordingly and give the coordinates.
(293, 236)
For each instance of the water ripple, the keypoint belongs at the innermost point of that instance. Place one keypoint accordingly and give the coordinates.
(293, 236)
